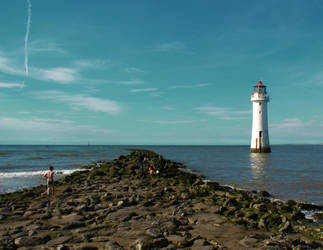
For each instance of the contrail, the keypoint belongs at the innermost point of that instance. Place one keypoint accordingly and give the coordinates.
(27, 37)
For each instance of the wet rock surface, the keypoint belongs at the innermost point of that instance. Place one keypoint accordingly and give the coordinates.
(113, 206)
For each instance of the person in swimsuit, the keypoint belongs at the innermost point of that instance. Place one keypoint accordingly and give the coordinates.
(49, 175)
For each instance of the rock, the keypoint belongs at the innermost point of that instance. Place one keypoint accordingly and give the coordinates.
(231, 202)
(200, 243)
(74, 225)
(71, 203)
(306, 206)
(106, 197)
(185, 196)
(113, 246)
(26, 241)
(94, 199)
(198, 182)
(192, 220)
(263, 222)
(252, 216)
(31, 233)
(297, 215)
(230, 211)
(239, 214)
(154, 232)
(286, 228)
(215, 244)
(34, 227)
(46, 216)
(221, 209)
(62, 247)
(129, 216)
(87, 246)
(120, 203)
(159, 243)
(81, 208)
(278, 203)
(318, 216)
(248, 241)
(26, 214)
(260, 207)
(67, 190)
(132, 201)
(142, 244)
(168, 226)
(264, 194)
(291, 203)
(213, 185)
(58, 241)
(177, 240)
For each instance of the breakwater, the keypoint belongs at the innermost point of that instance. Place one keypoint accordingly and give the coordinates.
(113, 206)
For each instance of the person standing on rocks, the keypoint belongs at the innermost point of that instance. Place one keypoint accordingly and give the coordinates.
(49, 175)
(162, 162)
(141, 159)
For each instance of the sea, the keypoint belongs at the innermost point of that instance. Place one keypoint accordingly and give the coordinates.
(289, 172)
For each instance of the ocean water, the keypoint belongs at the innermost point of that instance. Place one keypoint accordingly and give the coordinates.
(289, 172)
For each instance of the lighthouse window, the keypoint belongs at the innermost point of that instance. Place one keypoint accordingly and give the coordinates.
(259, 111)
(259, 103)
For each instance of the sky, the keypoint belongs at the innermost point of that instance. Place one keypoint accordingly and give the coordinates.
(159, 72)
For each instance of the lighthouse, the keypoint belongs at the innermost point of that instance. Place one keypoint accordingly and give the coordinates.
(259, 136)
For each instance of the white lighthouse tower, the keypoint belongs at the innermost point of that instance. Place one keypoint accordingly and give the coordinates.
(260, 137)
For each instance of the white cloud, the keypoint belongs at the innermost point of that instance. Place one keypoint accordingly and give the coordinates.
(289, 123)
(42, 129)
(11, 85)
(172, 47)
(134, 70)
(7, 66)
(225, 113)
(41, 46)
(143, 90)
(92, 63)
(60, 75)
(78, 102)
(168, 108)
(130, 82)
(175, 122)
(126, 82)
(200, 85)
(296, 130)
(34, 123)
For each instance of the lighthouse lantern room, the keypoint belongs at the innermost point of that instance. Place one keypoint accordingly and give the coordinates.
(260, 136)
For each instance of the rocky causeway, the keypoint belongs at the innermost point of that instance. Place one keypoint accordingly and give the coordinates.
(112, 206)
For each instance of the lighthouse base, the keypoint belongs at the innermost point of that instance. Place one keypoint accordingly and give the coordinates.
(260, 150)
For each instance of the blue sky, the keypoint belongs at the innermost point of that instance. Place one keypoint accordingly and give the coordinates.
(158, 72)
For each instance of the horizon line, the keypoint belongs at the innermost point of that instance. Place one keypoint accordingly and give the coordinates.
(121, 145)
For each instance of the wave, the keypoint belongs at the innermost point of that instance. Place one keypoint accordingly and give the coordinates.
(36, 173)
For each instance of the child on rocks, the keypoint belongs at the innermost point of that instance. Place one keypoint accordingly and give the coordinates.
(49, 175)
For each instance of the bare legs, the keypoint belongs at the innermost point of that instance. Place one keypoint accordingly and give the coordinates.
(50, 191)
